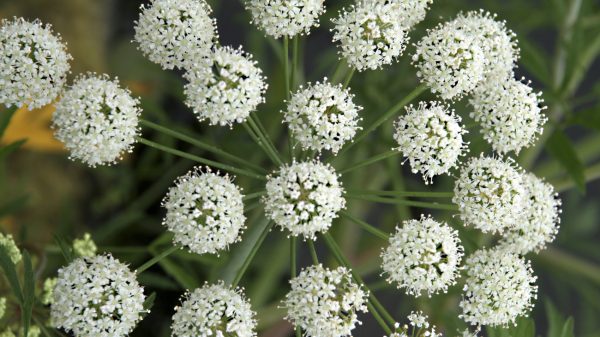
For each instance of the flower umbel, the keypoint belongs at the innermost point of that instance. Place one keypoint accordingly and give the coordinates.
(279, 18)
(85, 247)
(9, 245)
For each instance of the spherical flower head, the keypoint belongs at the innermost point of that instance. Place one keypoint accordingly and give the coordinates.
(490, 194)
(175, 33)
(205, 211)
(542, 218)
(85, 247)
(10, 247)
(499, 287)
(322, 116)
(97, 297)
(430, 137)
(499, 44)
(370, 34)
(449, 61)
(423, 256)
(411, 12)
(304, 198)
(34, 63)
(510, 114)
(226, 88)
(48, 290)
(325, 302)
(96, 120)
(279, 18)
(214, 310)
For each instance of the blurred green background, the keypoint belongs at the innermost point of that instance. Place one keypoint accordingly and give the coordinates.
(42, 193)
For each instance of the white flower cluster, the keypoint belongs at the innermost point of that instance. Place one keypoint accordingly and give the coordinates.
(304, 198)
(419, 327)
(509, 113)
(423, 256)
(499, 287)
(205, 211)
(430, 136)
(322, 116)
(541, 218)
(226, 88)
(490, 194)
(411, 12)
(97, 120)
(175, 33)
(8, 243)
(214, 310)
(85, 247)
(371, 33)
(325, 302)
(418, 319)
(288, 18)
(34, 64)
(97, 297)
(457, 55)
(48, 290)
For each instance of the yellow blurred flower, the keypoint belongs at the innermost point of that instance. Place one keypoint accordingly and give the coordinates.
(35, 127)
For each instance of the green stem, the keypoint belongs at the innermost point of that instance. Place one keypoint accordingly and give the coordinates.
(293, 77)
(349, 77)
(591, 173)
(555, 258)
(387, 115)
(257, 139)
(369, 228)
(200, 159)
(200, 144)
(251, 254)
(286, 71)
(375, 304)
(293, 249)
(313, 251)
(369, 161)
(262, 136)
(264, 132)
(415, 194)
(421, 204)
(254, 195)
(156, 259)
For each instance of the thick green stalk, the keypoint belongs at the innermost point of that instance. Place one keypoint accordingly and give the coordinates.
(421, 204)
(369, 161)
(387, 115)
(415, 194)
(156, 259)
(251, 254)
(200, 159)
(313, 251)
(200, 144)
(369, 228)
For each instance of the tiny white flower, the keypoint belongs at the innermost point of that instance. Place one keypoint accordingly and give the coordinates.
(8, 243)
(279, 18)
(34, 63)
(542, 218)
(410, 12)
(226, 88)
(175, 33)
(205, 211)
(449, 60)
(48, 290)
(500, 286)
(97, 120)
(214, 310)
(322, 116)
(418, 320)
(371, 33)
(304, 198)
(423, 256)
(490, 194)
(509, 112)
(325, 302)
(97, 297)
(430, 137)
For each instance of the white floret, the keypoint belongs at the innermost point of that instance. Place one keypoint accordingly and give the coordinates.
(322, 116)
(325, 302)
(225, 89)
(411, 12)
(10, 247)
(279, 18)
(97, 120)
(214, 310)
(304, 198)
(423, 256)
(205, 211)
(34, 63)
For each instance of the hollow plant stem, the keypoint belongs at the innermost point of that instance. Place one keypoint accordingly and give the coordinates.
(201, 160)
(193, 141)
(156, 259)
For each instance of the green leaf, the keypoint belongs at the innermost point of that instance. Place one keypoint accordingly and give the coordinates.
(28, 292)
(11, 273)
(559, 146)
(534, 62)
(148, 304)
(589, 118)
(65, 248)
(5, 117)
(555, 320)
(8, 149)
(567, 329)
